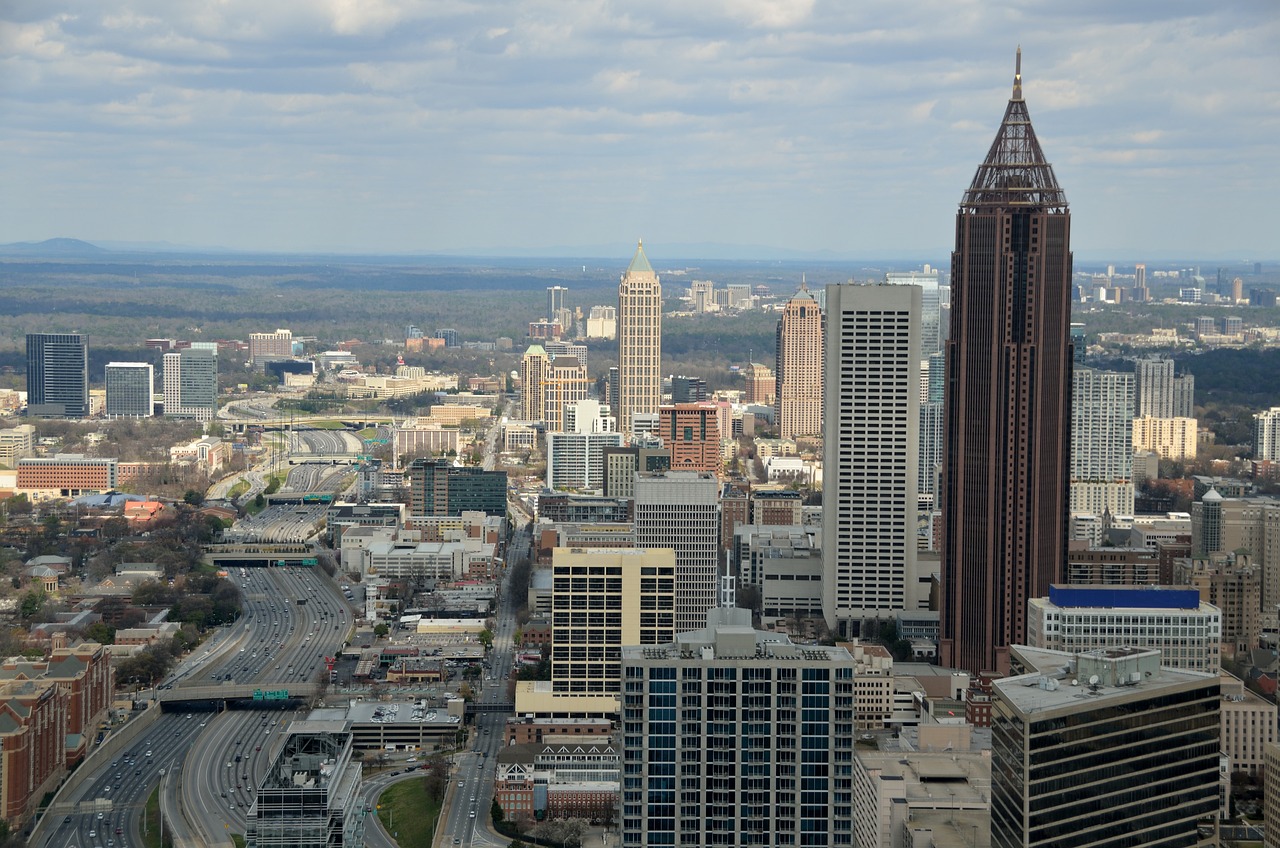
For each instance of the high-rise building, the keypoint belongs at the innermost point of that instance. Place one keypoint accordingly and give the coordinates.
(556, 347)
(1159, 394)
(1116, 751)
(190, 384)
(566, 383)
(734, 736)
(601, 600)
(1170, 438)
(688, 389)
(267, 346)
(760, 384)
(1101, 442)
(691, 435)
(130, 389)
(1008, 398)
(533, 376)
(448, 334)
(870, 444)
(639, 341)
(621, 465)
(57, 375)
(798, 372)
(575, 455)
(438, 488)
(681, 510)
(1266, 435)
(931, 332)
(932, 429)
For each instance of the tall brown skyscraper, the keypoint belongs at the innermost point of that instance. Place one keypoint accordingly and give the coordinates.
(639, 342)
(798, 401)
(1007, 397)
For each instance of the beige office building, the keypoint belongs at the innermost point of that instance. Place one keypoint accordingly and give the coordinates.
(566, 383)
(264, 346)
(639, 341)
(533, 376)
(798, 374)
(602, 599)
(1168, 438)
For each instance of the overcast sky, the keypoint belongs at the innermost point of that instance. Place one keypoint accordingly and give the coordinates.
(850, 126)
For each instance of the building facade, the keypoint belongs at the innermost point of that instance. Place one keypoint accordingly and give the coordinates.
(681, 510)
(1158, 393)
(798, 369)
(191, 385)
(533, 376)
(438, 488)
(1008, 398)
(267, 346)
(601, 600)
(870, 445)
(691, 434)
(58, 375)
(130, 389)
(733, 736)
(311, 795)
(67, 475)
(1168, 438)
(1101, 442)
(1266, 435)
(639, 341)
(1130, 746)
(565, 384)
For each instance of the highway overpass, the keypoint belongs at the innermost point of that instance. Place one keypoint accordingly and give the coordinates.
(259, 556)
(242, 696)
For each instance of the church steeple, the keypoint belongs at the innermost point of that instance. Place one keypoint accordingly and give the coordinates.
(1015, 172)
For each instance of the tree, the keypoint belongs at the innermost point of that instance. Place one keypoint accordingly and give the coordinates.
(381, 630)
(31, 603)
(100, 632)
(193, 497)
(486, 638)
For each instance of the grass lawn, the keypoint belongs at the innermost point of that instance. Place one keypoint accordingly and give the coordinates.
(151, 835)
(368, 433)
(241, 486)
(237, 840)
(406, 805)
(326, 425)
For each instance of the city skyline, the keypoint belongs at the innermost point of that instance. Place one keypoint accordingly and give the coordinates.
(398, 127)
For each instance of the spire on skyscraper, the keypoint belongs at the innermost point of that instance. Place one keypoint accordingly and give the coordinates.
(640, 262)
(1015, 173)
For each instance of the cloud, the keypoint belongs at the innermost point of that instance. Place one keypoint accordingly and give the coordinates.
(842, 126)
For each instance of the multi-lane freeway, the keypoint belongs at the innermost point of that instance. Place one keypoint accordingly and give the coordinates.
(277, 641)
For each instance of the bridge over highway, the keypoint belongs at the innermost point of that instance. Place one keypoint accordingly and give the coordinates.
(270, 554)
(244, 695)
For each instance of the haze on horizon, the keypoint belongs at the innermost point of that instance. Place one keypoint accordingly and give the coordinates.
(401, 126)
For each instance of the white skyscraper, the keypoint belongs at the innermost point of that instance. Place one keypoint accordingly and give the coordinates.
(931, 332)
(1101, 442)
(870, 452)
(1266, 435)
(639, 341)
(681, 510)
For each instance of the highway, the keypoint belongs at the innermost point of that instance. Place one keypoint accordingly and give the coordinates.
(275, 641)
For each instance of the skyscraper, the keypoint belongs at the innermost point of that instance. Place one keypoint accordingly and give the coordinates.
(533, 376)
(931, 333)
(639, 341)
(735, 736)
(130, 389)
(1159, 394)
(798, 399)
(565, 383)
(555, 302)
(1008, 397)
(190, 384)
(58, 375)
(1101, 442)
(870, 445)
(681, 510)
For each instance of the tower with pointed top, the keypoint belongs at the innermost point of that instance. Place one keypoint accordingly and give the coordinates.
(798, 375)
(639, 341)
(1008, 398)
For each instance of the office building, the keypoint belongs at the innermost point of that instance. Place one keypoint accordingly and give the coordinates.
(1115, 751)
(557, 347)
(311, 795)
(1008, 398)
(190, 384)
(932, 334)
(57, 375)
(575, 456)
(932, 430)
(760, 384)
(1186, 630)
(691, 435)
(1266, 435)
(67, 475)
(1234, 584)
(798, 369)
(602, 322)
(601, 600)
(622, 463)
(639, 341)
(16, 443)
(565, 383)
(1248, 525)
(1248, 726)
(264, 347)
(533, 376)
(688, 389)
(130, 389)
(870, 460)
(1101, 442)
(681, 510)
(734, 736)
(1159, 394)
(898, 800)
(438, 488)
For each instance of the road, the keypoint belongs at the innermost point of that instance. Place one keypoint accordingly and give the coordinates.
(275, 641)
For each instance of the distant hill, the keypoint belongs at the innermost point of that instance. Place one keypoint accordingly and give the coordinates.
(52, 247)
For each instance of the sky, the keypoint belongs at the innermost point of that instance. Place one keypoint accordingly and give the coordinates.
(823, 127)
